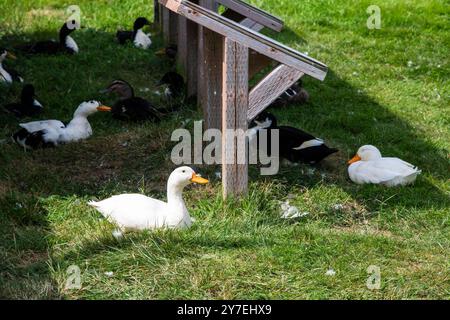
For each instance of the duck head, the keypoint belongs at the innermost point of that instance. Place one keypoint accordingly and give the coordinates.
(366, 153)
(122, 88)
(6, 54)
(264, 120)
(184, 176)
(66, 29)
(140, 22)
(90, 107)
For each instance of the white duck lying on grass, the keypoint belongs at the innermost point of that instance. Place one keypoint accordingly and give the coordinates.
(131, 212)
(368, 166)
(50, 133)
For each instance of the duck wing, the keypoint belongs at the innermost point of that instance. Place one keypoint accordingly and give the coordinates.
(135, 109)
(396, 165)
(14, 74)
(133, 211)
(388, 171)
(298, 145)
(33, 140)
(295, 139)
(124, 36)
(42, 125)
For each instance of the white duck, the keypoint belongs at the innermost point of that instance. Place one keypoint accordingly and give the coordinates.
(54, 132)
(368, 166)
(138, 212)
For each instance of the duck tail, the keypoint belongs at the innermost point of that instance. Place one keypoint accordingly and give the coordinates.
(93, 204)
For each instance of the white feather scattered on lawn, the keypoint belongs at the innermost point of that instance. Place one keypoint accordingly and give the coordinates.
(291, 212)
(117, 234)
(330, 273)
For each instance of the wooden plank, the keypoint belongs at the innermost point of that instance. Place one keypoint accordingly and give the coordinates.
(242, 64)
(182, 45)
(212, 78)
(229, 168)
(161, 10)
(248, 37)
(156, 7)
(255, 14)
(271, 87)
(201, 86)
(242, 20)
(173, 27)
(166, 23)
(234, 113)
(192, 58)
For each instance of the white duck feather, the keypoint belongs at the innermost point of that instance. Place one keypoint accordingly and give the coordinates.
(138, 212)
(77, 129)
(368, 166)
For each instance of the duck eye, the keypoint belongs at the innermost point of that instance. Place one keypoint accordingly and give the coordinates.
(184, 171)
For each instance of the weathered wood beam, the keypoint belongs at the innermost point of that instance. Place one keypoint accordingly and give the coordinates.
(248, 37)
(166, 23)
(182, 44)
(249, 23)
(234, 114)
(255, 14)
(156, 8)
(271, 87)
(201, 80)
(173, 27)
(192, 63)
(212, 79)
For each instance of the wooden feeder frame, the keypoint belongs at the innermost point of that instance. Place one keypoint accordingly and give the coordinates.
(219, 54)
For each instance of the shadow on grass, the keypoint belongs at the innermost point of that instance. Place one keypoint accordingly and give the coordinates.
(24, 251)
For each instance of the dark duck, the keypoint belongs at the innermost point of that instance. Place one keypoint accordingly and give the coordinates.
(175, 86)
(8, 75)
(295, 145)
(170, 51)
(129, 107)
(137, 36)
(28, 105)
(66, 44)
(296, 94)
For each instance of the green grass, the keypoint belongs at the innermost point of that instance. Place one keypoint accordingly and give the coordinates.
(237, 249)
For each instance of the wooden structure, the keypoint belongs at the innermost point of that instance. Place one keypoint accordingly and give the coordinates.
(219, 54)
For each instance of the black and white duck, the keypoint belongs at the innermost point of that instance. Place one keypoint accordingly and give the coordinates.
(170, 51)
(129, 107)
(8, 75)
(296, 94)
(175, 86)
(66, 43)
(51, 133)
(137, 36)
(28, 105)
(295, 145)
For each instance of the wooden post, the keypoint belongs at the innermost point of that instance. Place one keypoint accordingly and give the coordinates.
(192, 63)
(212, 79)
(201, 81)
(166, 23)
(173, 28)
(234, 114)
(182, 42)
(156, 8)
